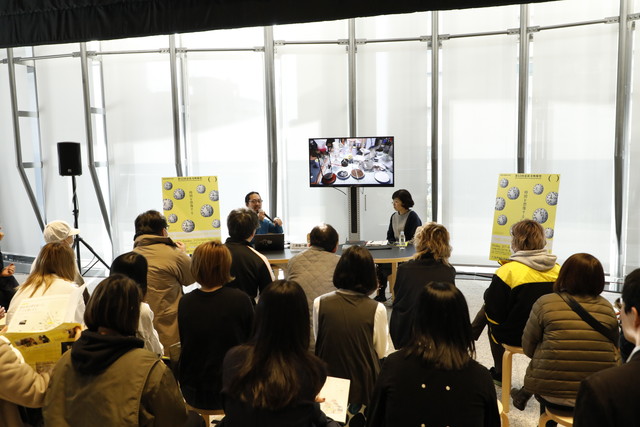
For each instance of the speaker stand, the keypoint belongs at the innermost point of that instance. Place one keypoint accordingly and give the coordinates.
(79, 240)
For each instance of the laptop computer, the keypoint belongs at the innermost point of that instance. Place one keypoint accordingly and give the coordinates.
(269, 242)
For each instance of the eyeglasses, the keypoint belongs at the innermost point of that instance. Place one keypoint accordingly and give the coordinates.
(255, 201)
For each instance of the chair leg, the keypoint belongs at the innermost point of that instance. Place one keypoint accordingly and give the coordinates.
(507, 359)
(504, 420)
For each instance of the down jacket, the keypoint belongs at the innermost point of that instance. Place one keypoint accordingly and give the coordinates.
(563, 348)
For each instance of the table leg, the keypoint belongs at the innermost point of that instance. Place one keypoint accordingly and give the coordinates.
(392, 278)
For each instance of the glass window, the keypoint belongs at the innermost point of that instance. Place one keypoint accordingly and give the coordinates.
(479, 134)
(573, 90)
(394, 26)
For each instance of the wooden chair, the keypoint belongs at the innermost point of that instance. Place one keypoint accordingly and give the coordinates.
(504, 419)
(507, 360)
(563, 418)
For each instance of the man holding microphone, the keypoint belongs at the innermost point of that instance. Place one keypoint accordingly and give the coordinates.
(253, 201)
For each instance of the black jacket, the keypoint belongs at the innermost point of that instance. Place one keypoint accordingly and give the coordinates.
(411, 278)
(251, 271)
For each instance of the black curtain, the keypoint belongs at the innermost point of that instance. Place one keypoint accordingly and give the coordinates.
(36, 22)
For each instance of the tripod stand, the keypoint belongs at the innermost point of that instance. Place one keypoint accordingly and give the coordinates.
(79, 240)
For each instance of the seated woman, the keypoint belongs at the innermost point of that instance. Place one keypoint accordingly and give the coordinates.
(564, 349)
(430, 263)
(273, 381)
(434, 380)
(107, 378)
(403, 220)
(53, 274)
(134, 266)
(211, 320)
(351, 329)
(515, 287)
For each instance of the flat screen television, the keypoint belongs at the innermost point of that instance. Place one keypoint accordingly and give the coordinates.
(348, 162)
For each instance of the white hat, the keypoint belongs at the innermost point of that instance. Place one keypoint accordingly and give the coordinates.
(57, 231)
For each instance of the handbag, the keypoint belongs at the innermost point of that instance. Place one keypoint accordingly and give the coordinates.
(599, 327)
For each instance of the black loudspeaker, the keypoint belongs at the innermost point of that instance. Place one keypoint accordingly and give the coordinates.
(69, 159)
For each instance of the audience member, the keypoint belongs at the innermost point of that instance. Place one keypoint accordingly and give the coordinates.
(53, 274)
(250, 269)
(211, 320)
(107, 378)
(515, 287)
(273, 381)
(609, 398)
(253, 201)
(59, 231)
(430, 263)
(135, 267)
(351, 328)
(402, 220)
(8, 283)
(313, 269)
(21, 385)
(169, 270)
(564, 349)
(434, 380)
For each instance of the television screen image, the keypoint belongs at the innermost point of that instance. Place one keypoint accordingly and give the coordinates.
(348, 162)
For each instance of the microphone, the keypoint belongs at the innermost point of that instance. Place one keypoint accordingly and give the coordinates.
(267, 216)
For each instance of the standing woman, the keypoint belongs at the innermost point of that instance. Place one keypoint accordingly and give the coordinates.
(273, 380)
(134, 266)
(107, 378)
(53, 274)
(402, 220)
(554, 329)
(430, 263)
(435, 380)
(211, 320)
(351, 328)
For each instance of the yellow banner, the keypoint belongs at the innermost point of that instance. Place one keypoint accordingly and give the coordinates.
(192, 208)
(523, 196)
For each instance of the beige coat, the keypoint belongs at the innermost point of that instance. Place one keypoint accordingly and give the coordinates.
(563, 348)
(19, 385)
(169, 271)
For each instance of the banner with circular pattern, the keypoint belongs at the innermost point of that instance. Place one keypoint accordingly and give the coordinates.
(523, 196)
(192, 208)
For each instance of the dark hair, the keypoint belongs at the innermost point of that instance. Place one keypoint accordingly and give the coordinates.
(134, 266)
(527, 235)
(114, 304)
(442, 333)
(405, 198)
(242, 223)
(356, 271)
(150, 222)
(325, 236)
(631, 291)
(278, 352)
(581, 274)
(211, 264)
(248, 196)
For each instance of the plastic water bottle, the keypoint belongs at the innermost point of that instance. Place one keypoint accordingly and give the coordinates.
(402, 241)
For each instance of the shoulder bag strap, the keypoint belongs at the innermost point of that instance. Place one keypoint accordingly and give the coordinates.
(599, 327)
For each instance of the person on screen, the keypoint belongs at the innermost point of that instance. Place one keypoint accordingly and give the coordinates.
(402, 220)
(253, 201)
